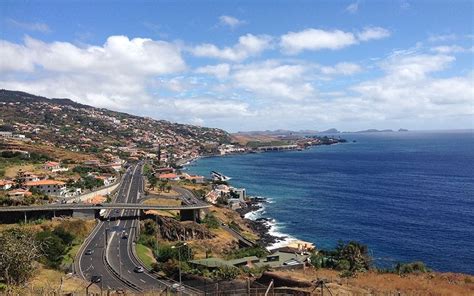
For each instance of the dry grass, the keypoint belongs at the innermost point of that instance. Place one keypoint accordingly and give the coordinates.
(47, 280)
(218, 246)
(228, 216)
(373, 283)
(164, 202)
(244, 139)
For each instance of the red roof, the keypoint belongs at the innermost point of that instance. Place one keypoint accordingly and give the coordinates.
(168, 176)
(44, 182)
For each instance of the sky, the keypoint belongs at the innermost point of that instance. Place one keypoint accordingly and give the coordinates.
(250, 65)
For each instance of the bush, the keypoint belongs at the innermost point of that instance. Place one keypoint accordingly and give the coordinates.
(226, 272)
(53, 249)
(343, 265)
(246, 252)
(413, 267)
(211, 221)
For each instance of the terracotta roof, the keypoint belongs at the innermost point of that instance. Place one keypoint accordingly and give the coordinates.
(44, 182)
(5, 182)
(52, 163)
(97, 199)
(168, 176)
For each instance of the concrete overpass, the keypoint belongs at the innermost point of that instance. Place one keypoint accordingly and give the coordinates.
(106, 206)
(91, 211)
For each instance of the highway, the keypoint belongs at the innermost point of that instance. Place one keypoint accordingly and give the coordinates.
(113, 242)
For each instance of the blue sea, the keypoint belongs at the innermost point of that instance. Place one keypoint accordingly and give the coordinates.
(407, 195)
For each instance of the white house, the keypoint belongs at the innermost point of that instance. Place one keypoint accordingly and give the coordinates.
(48, 187)
(5, 184)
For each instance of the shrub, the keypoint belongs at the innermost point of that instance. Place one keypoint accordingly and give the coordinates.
(211, 221)
(246, 252)
(226, 272)
(413, 267)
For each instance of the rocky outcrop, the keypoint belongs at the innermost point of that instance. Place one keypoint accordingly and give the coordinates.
(172, 230)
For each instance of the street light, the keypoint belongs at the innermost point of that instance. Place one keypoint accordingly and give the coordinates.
(179, 259)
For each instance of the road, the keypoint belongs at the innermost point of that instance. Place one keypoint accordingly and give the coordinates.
(113, 255)
(189, 198)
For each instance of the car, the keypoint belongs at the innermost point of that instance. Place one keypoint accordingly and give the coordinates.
(96, 278)
(177, 287)
(89, 252)
(138, 269)
(125, 235)
(116, 211)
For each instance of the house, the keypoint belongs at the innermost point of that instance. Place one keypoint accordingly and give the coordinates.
(16, 193)
(54, 167)
(48, 187)
(107, 179)
(6, 134)
(6, 184)
(194, 178)
(169, 176)
(276, 260)
(239, 193)
(27, 177)
(165, 170)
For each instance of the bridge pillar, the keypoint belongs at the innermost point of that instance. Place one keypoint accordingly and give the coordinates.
(190, 215)
(88, 214)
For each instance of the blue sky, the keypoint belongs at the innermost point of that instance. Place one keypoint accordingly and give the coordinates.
(250, 65)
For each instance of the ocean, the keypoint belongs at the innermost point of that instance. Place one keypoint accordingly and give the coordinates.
(407, 195)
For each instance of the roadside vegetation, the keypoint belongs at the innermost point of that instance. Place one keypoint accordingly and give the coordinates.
(24, 248)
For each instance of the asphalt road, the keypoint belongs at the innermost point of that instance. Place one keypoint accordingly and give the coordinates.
(108, 241)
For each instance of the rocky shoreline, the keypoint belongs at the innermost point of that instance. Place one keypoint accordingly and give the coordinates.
(260, 225)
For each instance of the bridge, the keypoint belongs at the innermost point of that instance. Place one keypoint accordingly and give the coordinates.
(105, 206)
(278, 148)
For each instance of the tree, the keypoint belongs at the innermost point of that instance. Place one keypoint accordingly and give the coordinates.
(54, 248)
(356, 254)
(18, 251)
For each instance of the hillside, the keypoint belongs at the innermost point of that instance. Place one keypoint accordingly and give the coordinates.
(69, 125)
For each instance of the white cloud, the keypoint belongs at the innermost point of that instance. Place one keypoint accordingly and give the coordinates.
(373, 33)
(114, 75)
(447, 49)
(221, 71)
(230, 21)
(353, 7)
(315, 39)
(271, 79)
(342, 69)
(38, 27)
(248, 45)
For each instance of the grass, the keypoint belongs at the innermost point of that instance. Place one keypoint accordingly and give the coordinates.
(164, 202)
(145, 255)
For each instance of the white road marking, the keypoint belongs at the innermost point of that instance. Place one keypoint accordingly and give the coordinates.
(142, 281)
(129, 271)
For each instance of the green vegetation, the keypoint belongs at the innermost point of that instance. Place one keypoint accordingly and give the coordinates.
(143, 252)
(211, 221)
(413, 267)
(258, 251)
(348, 258)
(18, 252)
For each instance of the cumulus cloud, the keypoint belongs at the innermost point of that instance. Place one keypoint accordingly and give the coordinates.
(38, 27)
(317, 39)
(230, 21)
(248, 45)
(271, 79)
(220, 71)
(373, 33)
(113, 75)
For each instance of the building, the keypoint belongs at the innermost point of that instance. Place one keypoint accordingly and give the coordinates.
(169, 177)
(54, 167)
(5, 184)
(6, 134)
(48, 187)
(27, 177)
(19, 193)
